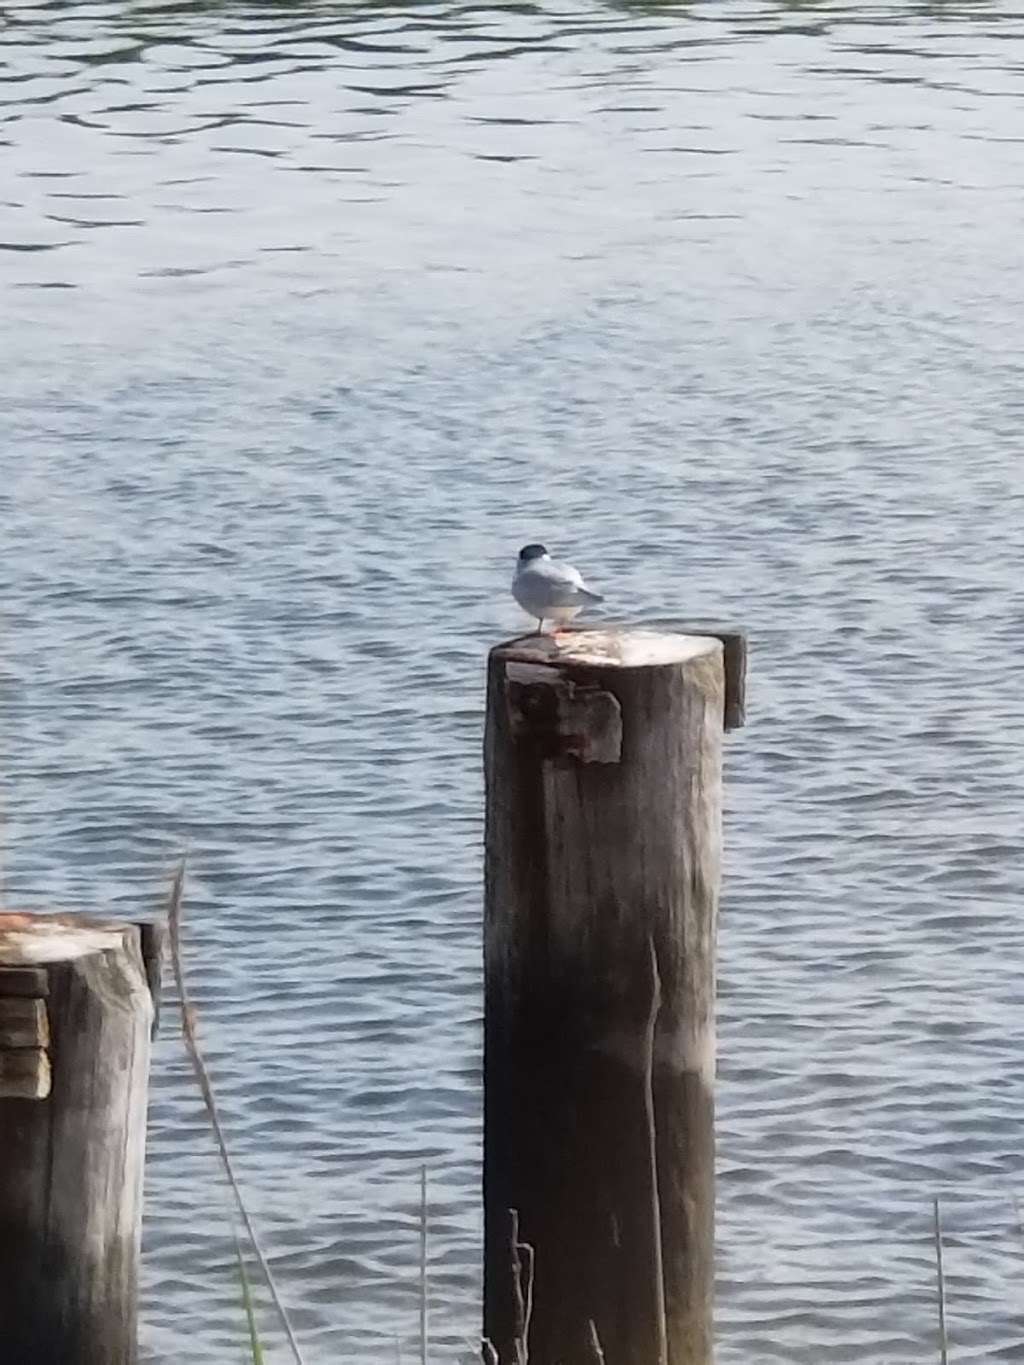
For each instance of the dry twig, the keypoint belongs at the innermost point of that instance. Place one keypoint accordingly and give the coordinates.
(943, 1339)
(423, 1266)
(188, 1029)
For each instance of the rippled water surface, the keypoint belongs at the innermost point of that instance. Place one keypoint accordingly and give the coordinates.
(311, 316)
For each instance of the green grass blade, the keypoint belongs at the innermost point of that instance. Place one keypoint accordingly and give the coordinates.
(250, 1308)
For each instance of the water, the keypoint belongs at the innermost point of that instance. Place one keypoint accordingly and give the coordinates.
(313, 315)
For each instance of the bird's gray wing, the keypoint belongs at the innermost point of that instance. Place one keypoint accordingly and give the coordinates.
(559, 582)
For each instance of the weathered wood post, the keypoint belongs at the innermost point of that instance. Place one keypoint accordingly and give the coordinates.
(76, 1010)
(604, 776)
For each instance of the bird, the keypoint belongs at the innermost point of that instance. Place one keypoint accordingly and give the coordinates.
(549, 589)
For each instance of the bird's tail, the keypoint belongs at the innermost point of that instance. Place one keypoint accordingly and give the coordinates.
(589, 596)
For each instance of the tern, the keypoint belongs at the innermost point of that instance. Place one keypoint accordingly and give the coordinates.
(549, 589)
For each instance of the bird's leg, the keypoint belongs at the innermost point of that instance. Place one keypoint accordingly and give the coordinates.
(540, 625)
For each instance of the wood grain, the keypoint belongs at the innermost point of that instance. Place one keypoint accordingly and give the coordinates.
(24, 1074)
(23, 981)
(23, 1023)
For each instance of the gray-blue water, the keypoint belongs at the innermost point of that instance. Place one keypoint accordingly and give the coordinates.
(312, 314)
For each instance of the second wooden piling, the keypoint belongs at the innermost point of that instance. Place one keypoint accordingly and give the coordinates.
(76, 1009)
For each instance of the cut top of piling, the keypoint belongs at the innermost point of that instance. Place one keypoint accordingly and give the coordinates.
(611, 648)
(28, 940)
(531, 656)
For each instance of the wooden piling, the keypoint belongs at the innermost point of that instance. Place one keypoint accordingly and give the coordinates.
(603, 767)
(76, 1009)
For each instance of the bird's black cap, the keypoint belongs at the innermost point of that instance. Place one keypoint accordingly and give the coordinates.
(532, 552)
